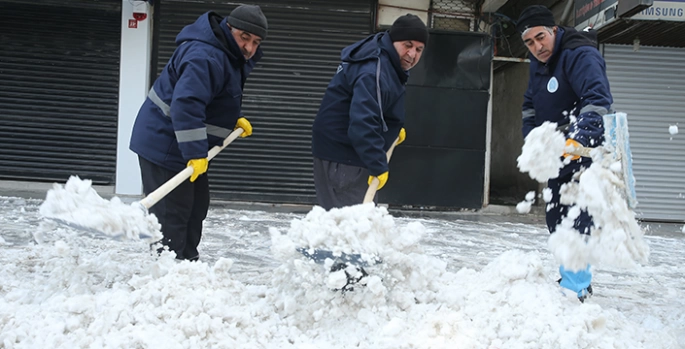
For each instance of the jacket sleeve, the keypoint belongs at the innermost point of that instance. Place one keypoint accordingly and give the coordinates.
(365, 129)
(528, 110)
(587, 72)
(197, 84)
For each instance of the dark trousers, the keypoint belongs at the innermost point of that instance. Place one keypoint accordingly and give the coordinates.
(181, 212)
(556, 211)
(339, 185)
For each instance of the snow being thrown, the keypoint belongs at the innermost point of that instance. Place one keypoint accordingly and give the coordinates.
(616, 238)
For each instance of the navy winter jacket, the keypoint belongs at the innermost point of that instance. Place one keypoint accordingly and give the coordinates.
(362, 112)
(195, 102)
(572, 82)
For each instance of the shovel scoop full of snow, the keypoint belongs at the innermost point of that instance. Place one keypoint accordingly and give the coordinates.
(540, 155)
(76, 204)
(342, 261)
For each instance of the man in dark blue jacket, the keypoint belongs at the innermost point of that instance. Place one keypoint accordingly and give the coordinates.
(362, 112)
(194, 105)
(568, 85)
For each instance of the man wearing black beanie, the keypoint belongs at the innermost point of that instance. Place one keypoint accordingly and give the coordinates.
(362, 112)
(194, 105)
(568, 86)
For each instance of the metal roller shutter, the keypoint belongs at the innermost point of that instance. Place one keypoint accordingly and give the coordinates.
(649, 85)
(59, 85)
(282, 94)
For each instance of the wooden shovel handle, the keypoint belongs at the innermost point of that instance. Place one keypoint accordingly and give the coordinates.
(582, 151)
(373, 187)
(176, 180)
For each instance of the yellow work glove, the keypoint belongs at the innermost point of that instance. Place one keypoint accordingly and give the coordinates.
(382, 178)
(245, 125)
(402, 136)
(199, 167)
(570, 143)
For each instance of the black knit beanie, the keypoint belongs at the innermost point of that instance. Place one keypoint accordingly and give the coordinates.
(250, 19)
(409, 27)
(535, 16)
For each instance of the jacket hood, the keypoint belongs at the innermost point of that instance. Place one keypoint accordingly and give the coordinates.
(370, 48)
(362, 50)
(573, 38)
(570, 38)
(211, 28)
(204, 30)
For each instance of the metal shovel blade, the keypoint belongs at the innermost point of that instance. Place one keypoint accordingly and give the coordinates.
(320, 256)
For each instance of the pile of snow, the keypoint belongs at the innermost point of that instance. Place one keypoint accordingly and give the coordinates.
(403, 274)
(78, 203)
(59, 294)
(616, 238)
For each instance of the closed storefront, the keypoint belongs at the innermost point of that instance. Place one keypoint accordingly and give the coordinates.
(649, 85)
(282, 95)
(59, 84)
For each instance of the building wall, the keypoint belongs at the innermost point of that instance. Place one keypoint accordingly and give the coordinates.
(134, 81)
(507, 183)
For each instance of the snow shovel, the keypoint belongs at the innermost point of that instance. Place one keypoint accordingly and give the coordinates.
(618, 144)
(116, 220)
(340, 262)
(175, 181)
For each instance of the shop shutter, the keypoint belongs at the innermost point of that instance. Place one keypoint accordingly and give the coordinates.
(282, 95)
(59, 85)
(649, 85)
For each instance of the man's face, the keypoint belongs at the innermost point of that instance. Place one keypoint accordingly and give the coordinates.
(410, 52)
(540, 42)
(247, 42)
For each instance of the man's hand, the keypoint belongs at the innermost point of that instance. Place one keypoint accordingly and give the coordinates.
(572, 145)
(245, 125)
(402, 136)
(382, 178)
(199, 167)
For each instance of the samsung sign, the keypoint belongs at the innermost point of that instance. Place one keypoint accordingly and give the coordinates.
(665, 10)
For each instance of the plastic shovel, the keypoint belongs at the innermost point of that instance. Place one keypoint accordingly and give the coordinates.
(176, 180)
(152, 198)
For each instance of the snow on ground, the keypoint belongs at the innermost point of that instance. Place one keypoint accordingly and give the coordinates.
(471, 281)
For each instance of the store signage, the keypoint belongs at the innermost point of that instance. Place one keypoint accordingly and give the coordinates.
(665, 10)
(585, 9)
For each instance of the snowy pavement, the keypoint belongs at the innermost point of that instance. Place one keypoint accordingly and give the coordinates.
(473, 281)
